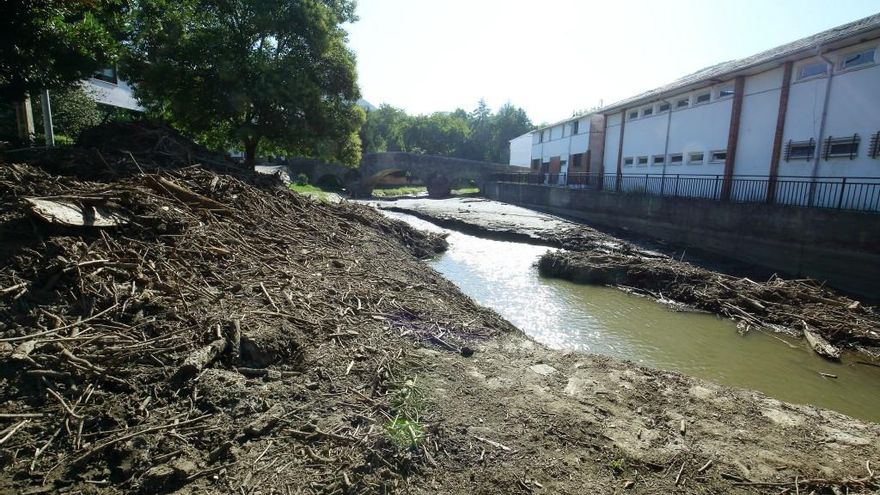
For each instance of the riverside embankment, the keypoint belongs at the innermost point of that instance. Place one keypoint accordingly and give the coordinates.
(178, 325)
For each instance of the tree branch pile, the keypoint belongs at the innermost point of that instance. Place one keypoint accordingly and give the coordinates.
(783, 305)
(220, 331)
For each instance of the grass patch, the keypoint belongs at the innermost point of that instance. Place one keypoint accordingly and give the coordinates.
(305, 188)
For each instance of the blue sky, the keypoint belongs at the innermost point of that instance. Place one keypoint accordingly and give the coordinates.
(553, 57)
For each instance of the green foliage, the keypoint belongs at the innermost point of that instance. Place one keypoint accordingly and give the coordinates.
(269, 74)
(477, 135)
(52, 44)
(301, 180)
(73, 111)
(404, 433)
(407, 404)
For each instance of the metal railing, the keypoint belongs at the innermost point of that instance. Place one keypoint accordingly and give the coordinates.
(843, 193)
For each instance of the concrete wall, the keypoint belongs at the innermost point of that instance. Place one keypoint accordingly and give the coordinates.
(842, 248)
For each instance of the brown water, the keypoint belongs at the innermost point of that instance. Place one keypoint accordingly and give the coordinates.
(501, 275)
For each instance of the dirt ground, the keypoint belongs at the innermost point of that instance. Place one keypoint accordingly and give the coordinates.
(230, 336)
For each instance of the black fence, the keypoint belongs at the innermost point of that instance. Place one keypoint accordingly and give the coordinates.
(843, 193)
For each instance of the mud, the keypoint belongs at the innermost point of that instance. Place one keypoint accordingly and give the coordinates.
(365, 371)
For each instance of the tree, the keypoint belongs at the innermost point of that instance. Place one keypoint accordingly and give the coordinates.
(383, 129)
(440, 133)
(508, 123)
(270, 74)
(73, 111)
(53, 44)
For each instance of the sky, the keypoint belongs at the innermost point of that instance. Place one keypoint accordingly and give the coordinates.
(555, 57)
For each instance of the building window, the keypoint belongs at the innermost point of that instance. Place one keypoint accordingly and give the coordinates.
(658, 160)
(575, 126)
(856, 59)
(634, 115)
(846, 147)
(107, 75)
(676, 159)
(663, 107)
(725, 92)
(536, 164)
(800, 150)
(628, 161)
(703, 98)
(874, 150)
(647, 111)
(813, 70)
(682, 103)
(577, 160)
(719, 156)
(643, 161)
(696, 158)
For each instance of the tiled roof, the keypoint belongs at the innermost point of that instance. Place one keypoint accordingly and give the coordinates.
(720, 71)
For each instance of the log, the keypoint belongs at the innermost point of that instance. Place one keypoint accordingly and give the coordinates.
(199, 359)
(820, 345)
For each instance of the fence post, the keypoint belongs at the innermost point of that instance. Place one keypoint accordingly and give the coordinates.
(715, 189)
(842, 188)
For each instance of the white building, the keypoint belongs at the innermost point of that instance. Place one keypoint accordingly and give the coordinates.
(521, 150)
(802, 112)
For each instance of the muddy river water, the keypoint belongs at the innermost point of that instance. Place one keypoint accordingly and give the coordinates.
(562, 315)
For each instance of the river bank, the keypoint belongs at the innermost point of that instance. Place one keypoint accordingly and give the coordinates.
(795, 307)
(223, 334)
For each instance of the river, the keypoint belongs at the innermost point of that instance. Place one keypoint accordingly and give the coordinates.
(562, 315)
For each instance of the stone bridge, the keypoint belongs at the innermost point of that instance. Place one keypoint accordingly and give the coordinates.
(439, 173)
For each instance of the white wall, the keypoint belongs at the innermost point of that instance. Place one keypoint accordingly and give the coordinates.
(116, 95)
(697, 128)
(521, 150)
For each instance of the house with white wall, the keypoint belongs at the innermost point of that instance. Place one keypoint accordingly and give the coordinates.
(806, 111)
(571, 146)
(106, 88)
(521, 150)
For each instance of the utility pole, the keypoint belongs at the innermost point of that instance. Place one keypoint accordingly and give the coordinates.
(24, 119)
(47, 118)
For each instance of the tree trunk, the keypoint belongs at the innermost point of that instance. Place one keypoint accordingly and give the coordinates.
(250, 152)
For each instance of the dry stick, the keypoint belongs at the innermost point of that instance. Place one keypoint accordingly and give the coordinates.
(678, 476)
(65, 327)
(13, 430)
(94, 450)
(269, 297)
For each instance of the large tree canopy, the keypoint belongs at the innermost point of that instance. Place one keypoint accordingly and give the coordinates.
(53, 44)
(251, 73)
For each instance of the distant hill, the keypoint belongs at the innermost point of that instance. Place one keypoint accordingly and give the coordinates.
(365, 105)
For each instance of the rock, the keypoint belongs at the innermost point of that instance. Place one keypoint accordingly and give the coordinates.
(543, 369)
(467, 351)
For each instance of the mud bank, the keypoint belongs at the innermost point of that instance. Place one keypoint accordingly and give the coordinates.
(230, 336)
(591, 256)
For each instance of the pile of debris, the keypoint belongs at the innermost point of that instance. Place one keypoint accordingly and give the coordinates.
(800, 307)
(168, 319)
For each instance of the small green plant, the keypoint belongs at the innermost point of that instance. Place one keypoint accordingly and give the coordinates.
(617, 465)
(301, 180)
(407, 403)
(404, 433)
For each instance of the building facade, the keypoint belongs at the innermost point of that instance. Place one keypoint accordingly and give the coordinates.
(749, 128)
(106, 88)
(521, 150)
